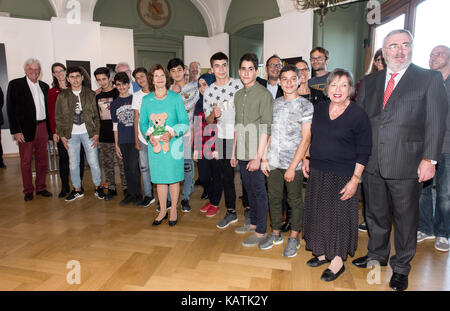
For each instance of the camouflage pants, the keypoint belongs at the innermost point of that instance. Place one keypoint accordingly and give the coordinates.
(108, 159)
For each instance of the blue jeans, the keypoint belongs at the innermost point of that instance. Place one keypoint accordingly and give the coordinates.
(188, 186)
(437, 223)
(145, 171)
(74, 159)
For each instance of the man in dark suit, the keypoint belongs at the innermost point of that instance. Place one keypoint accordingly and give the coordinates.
(26, 102)
(407, 107)
(2, 164)
(273, 68)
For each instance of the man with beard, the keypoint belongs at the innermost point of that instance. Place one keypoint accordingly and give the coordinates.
(319, 60)
(407, 108)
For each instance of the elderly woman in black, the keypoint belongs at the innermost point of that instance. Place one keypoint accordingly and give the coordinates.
(341, 142)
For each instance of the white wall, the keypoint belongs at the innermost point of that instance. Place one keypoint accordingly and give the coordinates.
(57, 41)
(202, 48)
(290, 35)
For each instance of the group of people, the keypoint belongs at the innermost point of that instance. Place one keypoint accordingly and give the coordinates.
(386, 132)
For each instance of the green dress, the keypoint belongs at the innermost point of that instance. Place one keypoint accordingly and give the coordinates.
(166, 168)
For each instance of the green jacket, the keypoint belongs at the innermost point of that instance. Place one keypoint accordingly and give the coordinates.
(65, 111)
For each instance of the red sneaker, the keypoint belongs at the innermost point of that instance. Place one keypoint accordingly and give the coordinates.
(212, 211)
(205, 207)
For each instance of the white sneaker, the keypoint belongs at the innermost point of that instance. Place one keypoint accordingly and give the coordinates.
(441, 244)
(423, 236)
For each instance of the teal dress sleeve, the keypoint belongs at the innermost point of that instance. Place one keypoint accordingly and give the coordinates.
(144, 117)
(183, 119)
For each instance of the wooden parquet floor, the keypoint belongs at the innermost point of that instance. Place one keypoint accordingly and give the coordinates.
(118, 249)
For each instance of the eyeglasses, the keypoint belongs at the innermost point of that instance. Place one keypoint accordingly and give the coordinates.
(404, 46)
(58, 71)
(317, 59)
(274, 65)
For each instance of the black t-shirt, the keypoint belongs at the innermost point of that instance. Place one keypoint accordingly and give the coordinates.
(104, 100)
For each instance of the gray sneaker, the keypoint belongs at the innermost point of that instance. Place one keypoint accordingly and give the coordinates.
(269, 241)
(441, 244)
(291, 248)
(423, 236)
(247, 216)
(244, 229)
(252, 240)
(227, 220)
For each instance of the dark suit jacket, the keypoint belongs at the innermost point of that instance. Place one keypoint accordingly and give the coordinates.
(1, 106)
(22, 110)
(412, 125)
(263, 82)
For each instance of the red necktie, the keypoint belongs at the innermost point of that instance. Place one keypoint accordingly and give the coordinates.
(389, 88)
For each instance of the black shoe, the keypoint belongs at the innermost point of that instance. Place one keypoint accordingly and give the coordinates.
(173, 222)
(28, 196)
(197, 182)
(63, 193)
(44, 193)
(185, 207)
(138, 200)
(399, 282)
(329, 276)
(75, 195)
(146, 201)
(99, 193)
(112, 192)
(128, 199)
(2, 165)
(168, 206)
(362, 262)
(286, 227)
(362, 227)
(315, 262)
(204, 195)
(158, 222)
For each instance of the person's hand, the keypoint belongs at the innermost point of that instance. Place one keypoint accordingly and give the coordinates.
(217, 111)
(289, 175)
(166, 137)
(118, 152)
(426, 171)
(305, 168)
(253, 165)
(138, 145)
(233, 162)
(65, 142)
(55, 138)
(215, 155)
(94, 141)
(265, 168)
(19, 137)
(195, 155)
(153, 140)
(350, 189)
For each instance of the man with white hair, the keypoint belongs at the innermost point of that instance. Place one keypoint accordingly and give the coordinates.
(194, 71)
(407, 108)
(26, 102)
(124, 67)
(437, 226)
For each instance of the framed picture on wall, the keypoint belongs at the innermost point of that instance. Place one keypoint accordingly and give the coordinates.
(291, 60)
(85, 66)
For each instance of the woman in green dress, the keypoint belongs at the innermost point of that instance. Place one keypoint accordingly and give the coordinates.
(163, 120)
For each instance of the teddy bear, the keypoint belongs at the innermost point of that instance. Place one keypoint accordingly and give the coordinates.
(158, 129)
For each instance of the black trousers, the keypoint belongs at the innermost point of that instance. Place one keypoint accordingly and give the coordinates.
(225, 150)
(255, 183)
(64, 169)
(210, 175)
(392, 200)
(130, 158)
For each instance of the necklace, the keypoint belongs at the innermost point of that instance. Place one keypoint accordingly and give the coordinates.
(161, 97)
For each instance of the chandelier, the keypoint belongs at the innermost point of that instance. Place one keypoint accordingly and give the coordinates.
(321, 7)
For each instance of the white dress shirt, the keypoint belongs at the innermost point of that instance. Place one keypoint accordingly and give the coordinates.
(38, 98)
(396, 79)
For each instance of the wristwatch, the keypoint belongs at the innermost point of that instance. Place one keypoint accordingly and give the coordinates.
(431, 161)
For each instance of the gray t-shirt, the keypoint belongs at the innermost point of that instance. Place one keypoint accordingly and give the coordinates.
(223, 97)
(288, 117)
(446, 146)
